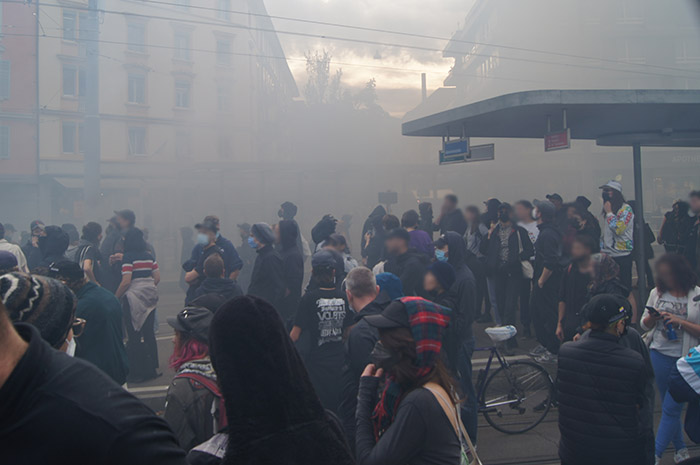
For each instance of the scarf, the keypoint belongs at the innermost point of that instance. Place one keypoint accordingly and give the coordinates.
(428, 321)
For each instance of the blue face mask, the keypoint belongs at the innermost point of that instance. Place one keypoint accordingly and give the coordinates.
(251, 242)
(202, 239)
(440, 255)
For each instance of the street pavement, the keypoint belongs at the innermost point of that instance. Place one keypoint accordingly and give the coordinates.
(538, 446)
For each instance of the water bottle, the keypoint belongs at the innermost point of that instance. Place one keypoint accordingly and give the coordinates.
(671, 333)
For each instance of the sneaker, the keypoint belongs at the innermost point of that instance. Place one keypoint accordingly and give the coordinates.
(546, 357)
(537, 351)
(681, 455)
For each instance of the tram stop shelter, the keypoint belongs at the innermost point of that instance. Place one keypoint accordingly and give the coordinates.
(632, 118)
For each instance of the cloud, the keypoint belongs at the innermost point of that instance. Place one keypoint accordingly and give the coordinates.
(395, 68)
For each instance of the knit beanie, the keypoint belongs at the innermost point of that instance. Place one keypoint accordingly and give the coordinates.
(45, 303)
(444, 273)
(263, 233)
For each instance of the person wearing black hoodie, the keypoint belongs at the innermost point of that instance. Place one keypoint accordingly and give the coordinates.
(322, 231)
(292, 266)
(364, 299)
(460, 337)
(406, 263)
(53, 246)
(273, 412)
(215, 281)
(451, 218)
(267, 280)
(373, 235)
(287, 212)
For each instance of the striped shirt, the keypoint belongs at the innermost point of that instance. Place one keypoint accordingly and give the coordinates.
(139, 265)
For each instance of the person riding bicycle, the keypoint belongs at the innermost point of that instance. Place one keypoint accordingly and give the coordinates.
(601, 388)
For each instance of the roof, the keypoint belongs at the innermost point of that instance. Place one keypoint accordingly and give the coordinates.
(613, 117)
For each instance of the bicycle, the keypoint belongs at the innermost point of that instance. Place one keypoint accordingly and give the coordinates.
(517, 396)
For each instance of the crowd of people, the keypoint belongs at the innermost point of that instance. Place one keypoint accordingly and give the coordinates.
(369, 360)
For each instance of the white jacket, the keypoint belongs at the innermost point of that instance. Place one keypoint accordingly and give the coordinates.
(693, 316)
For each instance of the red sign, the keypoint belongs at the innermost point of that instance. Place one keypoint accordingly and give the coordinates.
(557, 140)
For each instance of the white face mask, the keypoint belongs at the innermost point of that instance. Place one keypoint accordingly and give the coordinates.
(534, 214)
(70, 350)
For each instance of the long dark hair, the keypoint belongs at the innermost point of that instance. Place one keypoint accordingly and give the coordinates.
(474, 210)
(683, 275)
(401, 341)
(134, 241)
(616, 201)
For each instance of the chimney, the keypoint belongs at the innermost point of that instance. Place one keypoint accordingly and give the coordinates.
(423, 87)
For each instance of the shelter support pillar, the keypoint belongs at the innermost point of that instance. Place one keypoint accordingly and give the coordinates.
(639, 251)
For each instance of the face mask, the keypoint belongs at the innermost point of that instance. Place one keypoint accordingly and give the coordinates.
(607, 197)
(70, 350)
(504, 217)
(251, 242)
(218, 235)
(440, 255)
(383, 358)
(202, 239)
(534, 214)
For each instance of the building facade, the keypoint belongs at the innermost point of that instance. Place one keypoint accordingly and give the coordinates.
(505, 47)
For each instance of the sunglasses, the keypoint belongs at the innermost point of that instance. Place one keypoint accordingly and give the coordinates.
(78, 327)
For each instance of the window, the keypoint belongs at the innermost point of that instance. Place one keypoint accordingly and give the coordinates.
(630, 12)
(69, 140)
(4, 142)
(4, 79)
(223, 97)
(182, 93)
(136, 37)
(70, 77)
(182, 46)
(225, 150)
(137, 88)
(183, 144)
(223, 9)
(631, 50)
(70, 25)
(223, 52)
(687, 51)
(81, 138)
(73, 81)
(137, 140)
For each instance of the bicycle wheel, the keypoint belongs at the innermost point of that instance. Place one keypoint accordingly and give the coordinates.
(516, 398)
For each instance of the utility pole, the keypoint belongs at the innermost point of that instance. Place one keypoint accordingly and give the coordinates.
(91, 126)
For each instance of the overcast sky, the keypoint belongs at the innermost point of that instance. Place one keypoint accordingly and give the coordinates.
(399, 90)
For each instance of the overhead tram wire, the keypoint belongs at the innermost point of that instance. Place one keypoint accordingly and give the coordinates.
(420, 36)
(362, 41)
(254, 55)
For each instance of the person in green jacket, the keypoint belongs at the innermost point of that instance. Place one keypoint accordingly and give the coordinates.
(102, 340)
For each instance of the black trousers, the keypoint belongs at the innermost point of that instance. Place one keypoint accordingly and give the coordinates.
(525, 291)
(476, 265)
(141, 347)
(545, 313)
(625, 264)
(507, 293)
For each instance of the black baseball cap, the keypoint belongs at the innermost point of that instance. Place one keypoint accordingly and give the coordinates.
(193, 321)
(207, 224)
(127, 214)
(323, 258)
(66, 269)
(36, 224)
(605, 309)
(393, 316)
(399, 233)
(554, 196)
(244, 226)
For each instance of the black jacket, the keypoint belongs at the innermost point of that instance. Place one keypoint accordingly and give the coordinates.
(410, 268)
(59, 409)
(359, 344)
(491, 248)
(548, 249)
(463, 292)
(601, 388)
(226, 288)
(267, 280)
(293, 273)
(452, 221)
(32, 254)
